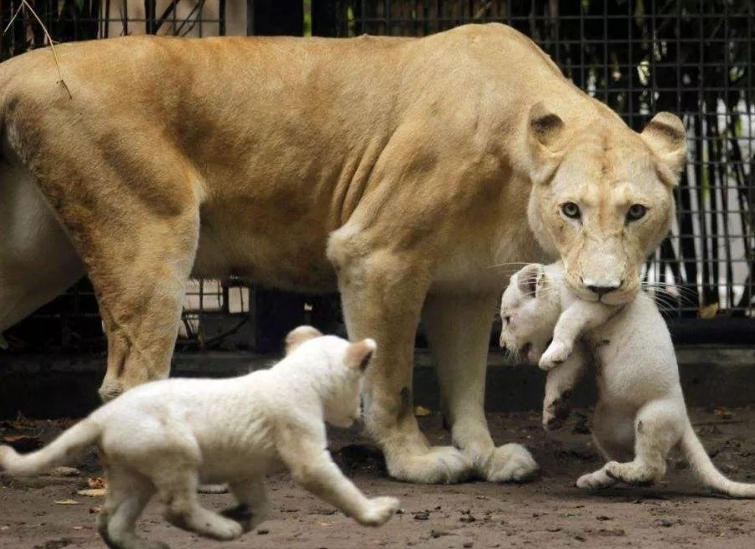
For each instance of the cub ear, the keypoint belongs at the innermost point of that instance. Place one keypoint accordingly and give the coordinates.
(359, 354)
(545, 134)
(667, 138)
(530, 279)
(299, 335)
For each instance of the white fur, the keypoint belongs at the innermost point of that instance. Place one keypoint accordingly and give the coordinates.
(640, 415)
(166, 437)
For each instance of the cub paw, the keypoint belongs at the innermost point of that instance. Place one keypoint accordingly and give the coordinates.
(241, 514)
(556, 353)
(225, 530)
(379, 511)
(595, 481)
(556, 412)
(629, 473)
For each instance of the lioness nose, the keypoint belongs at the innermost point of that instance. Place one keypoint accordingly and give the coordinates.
(603, 289)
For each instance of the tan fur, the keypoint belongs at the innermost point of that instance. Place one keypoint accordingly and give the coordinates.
(397, 170)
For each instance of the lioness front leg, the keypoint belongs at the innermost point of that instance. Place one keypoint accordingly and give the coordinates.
(382, 295)
(458, 330)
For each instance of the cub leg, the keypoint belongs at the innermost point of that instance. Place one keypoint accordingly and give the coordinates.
(658, 427)
(177, 488)
(458, 330)
(127, 494)
(613, 435)
(253, 507)
(313, 469)
(382, 295)
(576, 318)
(558, 388)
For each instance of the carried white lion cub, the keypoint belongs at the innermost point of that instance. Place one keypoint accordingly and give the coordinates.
(640, 415)
(166, 437)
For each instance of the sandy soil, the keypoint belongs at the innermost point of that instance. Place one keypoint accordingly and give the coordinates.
(547, 512)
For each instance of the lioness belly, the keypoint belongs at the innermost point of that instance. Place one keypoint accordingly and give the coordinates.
(266, 247)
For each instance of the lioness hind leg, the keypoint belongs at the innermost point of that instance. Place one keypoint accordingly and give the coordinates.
(458, 330)
(657, 429)
(382, 295)
(131, 208)
(140, 298)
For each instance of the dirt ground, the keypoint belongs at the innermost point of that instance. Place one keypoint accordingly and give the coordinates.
(48, 513)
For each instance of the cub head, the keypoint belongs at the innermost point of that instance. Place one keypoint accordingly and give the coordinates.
(530, 308)
(602, 197)
(337, 368)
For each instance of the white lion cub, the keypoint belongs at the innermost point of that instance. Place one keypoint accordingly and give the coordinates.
(640, 415)
(167, 436)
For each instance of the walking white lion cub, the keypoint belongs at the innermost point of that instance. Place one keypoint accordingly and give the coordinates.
(640, 414)
(166, 437)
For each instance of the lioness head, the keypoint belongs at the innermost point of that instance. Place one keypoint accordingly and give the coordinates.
(602, 196)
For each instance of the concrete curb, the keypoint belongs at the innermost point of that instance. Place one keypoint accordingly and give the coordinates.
(50, 386)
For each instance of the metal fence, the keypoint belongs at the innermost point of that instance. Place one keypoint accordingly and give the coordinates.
(691, 57)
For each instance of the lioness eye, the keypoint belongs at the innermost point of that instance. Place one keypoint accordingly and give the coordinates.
(570, 210)
(636, 211)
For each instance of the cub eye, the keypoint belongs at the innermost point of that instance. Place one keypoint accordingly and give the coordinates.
(570, 210)
(636, 211)
(507, 319)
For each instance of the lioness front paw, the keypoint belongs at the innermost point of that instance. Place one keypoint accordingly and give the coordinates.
(379, 511)
(556, 353)
(510, 463)
(437, 465)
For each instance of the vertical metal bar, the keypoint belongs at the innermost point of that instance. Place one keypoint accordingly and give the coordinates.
(606, 58)
(249, 17)
(149, 17)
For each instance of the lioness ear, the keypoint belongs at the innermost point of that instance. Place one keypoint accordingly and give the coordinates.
(667, 138)
(545, 127)
(299, 335)
(545, 133)
(530, 279)
(359, 354)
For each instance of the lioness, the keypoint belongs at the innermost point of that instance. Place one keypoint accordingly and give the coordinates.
(407, 173)
(167, 436)
(640, 415)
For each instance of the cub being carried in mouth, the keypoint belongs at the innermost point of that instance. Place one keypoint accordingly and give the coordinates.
(167, 436)
(640, 414)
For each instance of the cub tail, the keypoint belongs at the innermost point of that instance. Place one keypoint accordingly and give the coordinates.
(57, 453)
(707, 472)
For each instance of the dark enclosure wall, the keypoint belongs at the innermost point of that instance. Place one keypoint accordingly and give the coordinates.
(690, 57)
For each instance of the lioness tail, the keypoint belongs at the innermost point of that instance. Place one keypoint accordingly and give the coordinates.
(707, 472)
(58, 452)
